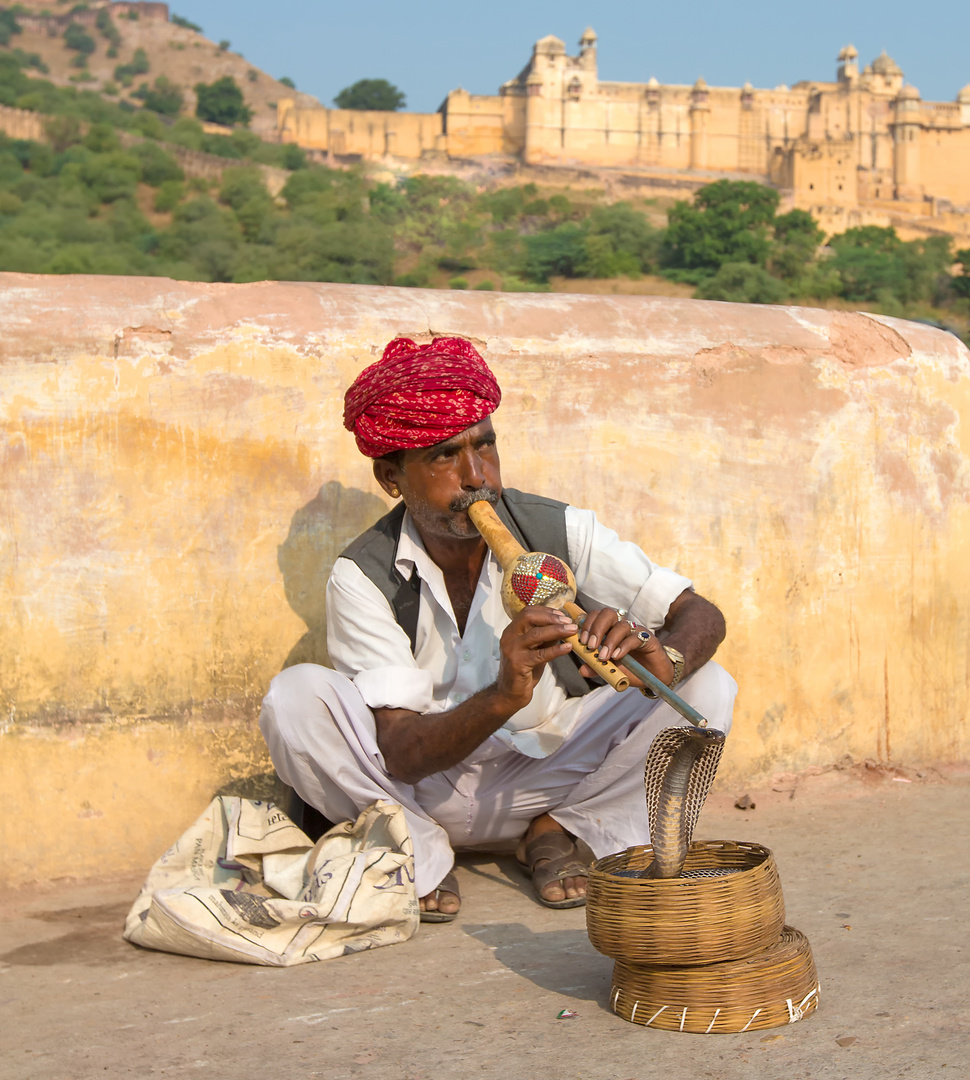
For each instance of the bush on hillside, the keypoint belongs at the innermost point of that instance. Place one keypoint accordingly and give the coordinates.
(77, 38)
(178, 20)
(106, 26)
(156, 166)
(162, 97)
(138, 65)
(8, 25)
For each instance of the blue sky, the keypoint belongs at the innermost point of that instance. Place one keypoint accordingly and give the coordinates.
(429, 48)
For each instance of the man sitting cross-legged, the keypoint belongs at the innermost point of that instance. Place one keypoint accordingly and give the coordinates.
(480, 725)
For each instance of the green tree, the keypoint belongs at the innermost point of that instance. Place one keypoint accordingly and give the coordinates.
(243, 190)
(376, 94)
(869, 276)
(102, 138)
(206, 236)
(187, 132)
(222, 102)
(876, 266)
(561, 250)
(111, 176)
(170, 194)
(156, 167)
(797, 240)
(162, 97)
(743, 283)
(8, 25)
(729, 221)
(505, 204)
(62, 132)
(961, 281)
(292, 157)
(620, 240)
(77, 38)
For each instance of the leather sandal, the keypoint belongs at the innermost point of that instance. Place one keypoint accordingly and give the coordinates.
(560, 849)
(449, 884)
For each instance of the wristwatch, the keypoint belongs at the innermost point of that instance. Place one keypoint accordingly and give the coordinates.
(677, 659)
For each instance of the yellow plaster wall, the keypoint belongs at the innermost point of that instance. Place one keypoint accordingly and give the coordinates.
(175, 483)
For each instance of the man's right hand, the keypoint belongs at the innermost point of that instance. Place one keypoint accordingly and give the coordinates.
(528, 643)
(414, 745)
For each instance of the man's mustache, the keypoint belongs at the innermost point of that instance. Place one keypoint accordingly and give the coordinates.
(483, 494)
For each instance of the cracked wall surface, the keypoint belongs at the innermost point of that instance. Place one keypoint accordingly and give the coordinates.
(175, 482)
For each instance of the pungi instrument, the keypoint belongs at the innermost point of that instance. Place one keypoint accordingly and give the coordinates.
(536, 578)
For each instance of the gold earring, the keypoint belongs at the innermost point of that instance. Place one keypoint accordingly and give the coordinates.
(395, 493)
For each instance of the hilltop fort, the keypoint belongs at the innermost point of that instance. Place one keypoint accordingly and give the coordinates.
(862, 149)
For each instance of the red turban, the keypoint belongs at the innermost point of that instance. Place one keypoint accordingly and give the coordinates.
(419, 395)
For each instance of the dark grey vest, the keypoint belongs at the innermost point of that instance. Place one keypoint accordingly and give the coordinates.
(538, 524)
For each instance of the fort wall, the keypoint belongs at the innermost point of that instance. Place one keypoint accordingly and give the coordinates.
(369, 134)
(175, 483)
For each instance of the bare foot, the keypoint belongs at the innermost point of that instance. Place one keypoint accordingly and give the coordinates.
(567, 891)
(441, 904)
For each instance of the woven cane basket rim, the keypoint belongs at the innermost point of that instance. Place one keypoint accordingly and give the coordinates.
(686, 920)
(774, 987)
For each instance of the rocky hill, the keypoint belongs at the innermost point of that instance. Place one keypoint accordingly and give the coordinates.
(180, 54)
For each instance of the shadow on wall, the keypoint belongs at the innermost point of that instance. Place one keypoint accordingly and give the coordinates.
(319, 532)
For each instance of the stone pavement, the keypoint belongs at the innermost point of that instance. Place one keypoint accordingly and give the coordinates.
(875, 873)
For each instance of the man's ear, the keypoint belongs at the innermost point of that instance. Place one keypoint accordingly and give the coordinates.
(387, 474)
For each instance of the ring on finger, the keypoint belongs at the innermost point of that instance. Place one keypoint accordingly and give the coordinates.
(621, 613)
(644, 636)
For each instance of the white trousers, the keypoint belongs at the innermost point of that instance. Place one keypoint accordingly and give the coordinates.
(322, 739)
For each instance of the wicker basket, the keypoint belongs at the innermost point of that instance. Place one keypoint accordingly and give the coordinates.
(686, 920)
(774, 987)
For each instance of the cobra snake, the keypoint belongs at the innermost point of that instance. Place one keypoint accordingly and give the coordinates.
(678, 774)
(679, 771)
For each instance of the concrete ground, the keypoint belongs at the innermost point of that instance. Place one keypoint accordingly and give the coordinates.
(875, 872)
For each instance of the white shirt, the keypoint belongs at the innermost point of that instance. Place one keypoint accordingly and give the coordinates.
(367, 645)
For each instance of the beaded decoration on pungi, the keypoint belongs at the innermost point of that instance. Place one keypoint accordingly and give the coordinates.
(537, 578)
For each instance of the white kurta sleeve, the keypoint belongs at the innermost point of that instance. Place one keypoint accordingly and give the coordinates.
(367, 645)
(617, 573)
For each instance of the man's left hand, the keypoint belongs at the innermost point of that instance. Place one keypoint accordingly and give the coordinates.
(693, 626)
(615, 634)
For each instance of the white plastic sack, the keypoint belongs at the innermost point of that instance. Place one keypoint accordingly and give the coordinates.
(245, 884)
